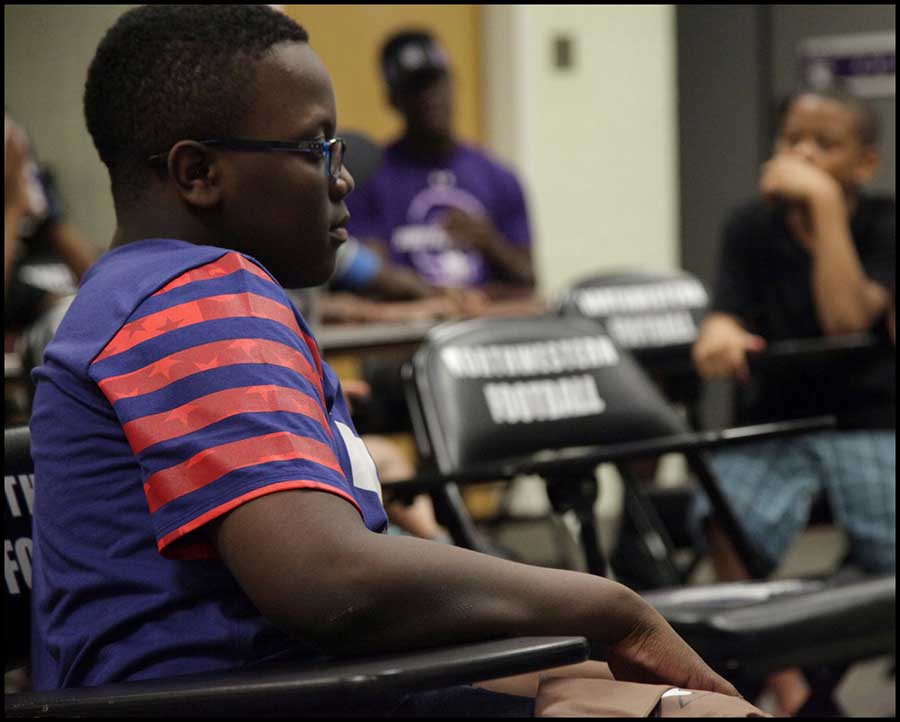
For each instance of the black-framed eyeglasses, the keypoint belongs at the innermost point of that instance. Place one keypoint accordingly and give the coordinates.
(332, 150)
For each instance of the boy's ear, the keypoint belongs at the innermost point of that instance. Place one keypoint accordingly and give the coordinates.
(869, 161)
(197, 177)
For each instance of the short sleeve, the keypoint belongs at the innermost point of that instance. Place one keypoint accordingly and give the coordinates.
(220, 398)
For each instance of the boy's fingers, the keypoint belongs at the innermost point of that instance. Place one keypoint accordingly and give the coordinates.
(752, 342)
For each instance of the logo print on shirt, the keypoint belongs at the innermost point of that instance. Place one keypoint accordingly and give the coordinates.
(365, 476)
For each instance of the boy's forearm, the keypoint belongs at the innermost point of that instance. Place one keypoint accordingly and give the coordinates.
(308, 564)
(412, 593)
(846, 299)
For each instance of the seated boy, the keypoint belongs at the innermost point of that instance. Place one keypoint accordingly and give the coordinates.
(202, 501)
(814, 256)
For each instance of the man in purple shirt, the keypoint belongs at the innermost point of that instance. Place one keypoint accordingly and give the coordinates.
(437, 205)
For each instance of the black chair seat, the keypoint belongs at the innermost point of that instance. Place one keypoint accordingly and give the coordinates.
(299, 691)
(790, 622)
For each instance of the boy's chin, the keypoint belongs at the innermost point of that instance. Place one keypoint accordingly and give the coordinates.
(311, 278)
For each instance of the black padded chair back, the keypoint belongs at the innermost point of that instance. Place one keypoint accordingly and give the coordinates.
(497, 388)
(641, 310)
(18, 482)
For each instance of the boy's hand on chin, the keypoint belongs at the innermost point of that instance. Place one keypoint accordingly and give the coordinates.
(789, 178)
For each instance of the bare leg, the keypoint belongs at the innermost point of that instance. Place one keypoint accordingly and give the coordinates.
(788, 685)
(392, 464)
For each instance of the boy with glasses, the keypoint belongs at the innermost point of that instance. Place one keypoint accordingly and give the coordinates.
(202, 501)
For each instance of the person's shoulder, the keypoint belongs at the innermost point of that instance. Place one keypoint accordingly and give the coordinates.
(752, 208)
(140, 268)
(752, 215)
(123, 279)
(878, 204)
(395, 153)
(487, 162)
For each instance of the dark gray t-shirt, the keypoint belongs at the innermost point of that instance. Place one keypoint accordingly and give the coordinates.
(765, 280)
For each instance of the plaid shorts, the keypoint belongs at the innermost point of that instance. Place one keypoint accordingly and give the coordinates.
(771, 485)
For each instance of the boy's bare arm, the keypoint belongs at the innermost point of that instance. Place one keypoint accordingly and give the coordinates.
(309, 564)
(847, 300)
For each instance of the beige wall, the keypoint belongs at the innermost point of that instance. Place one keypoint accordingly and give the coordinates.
(47, 49)
(348, 38)
(596, 145)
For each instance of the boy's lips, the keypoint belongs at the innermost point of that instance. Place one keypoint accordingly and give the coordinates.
(339, 234)
(338, 231)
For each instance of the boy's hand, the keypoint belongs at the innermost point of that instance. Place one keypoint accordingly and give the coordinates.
(721, 350)
(653, 653)
(788, 177)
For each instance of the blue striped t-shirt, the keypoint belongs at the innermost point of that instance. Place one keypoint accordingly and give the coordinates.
(181, 383)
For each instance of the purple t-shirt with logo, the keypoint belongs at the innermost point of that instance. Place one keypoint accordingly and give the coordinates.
(401, 206)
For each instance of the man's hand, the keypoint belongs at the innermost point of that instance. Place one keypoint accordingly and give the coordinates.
(721, 350)
(479, 233)
(469, 231)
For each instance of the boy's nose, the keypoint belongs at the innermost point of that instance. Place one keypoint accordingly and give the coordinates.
(343, 186)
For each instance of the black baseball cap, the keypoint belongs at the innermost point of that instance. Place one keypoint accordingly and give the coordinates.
(412, 56)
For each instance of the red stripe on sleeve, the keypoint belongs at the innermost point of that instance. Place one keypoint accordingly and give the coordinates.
(203, 551)
(192, 552)
(204, 357)
(213, 463)
(209, 409)
(224, 266)
(231, 305)
(314, 349)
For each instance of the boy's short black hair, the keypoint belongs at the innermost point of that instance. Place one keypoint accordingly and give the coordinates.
(867, 125)
(165, 73)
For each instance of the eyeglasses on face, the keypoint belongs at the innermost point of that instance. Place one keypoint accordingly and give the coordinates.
(331, 150)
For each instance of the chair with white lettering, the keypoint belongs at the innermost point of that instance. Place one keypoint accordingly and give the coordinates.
(555, 397)
(489, 389)
(320, 690)
(656, 316)
(486, 390)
